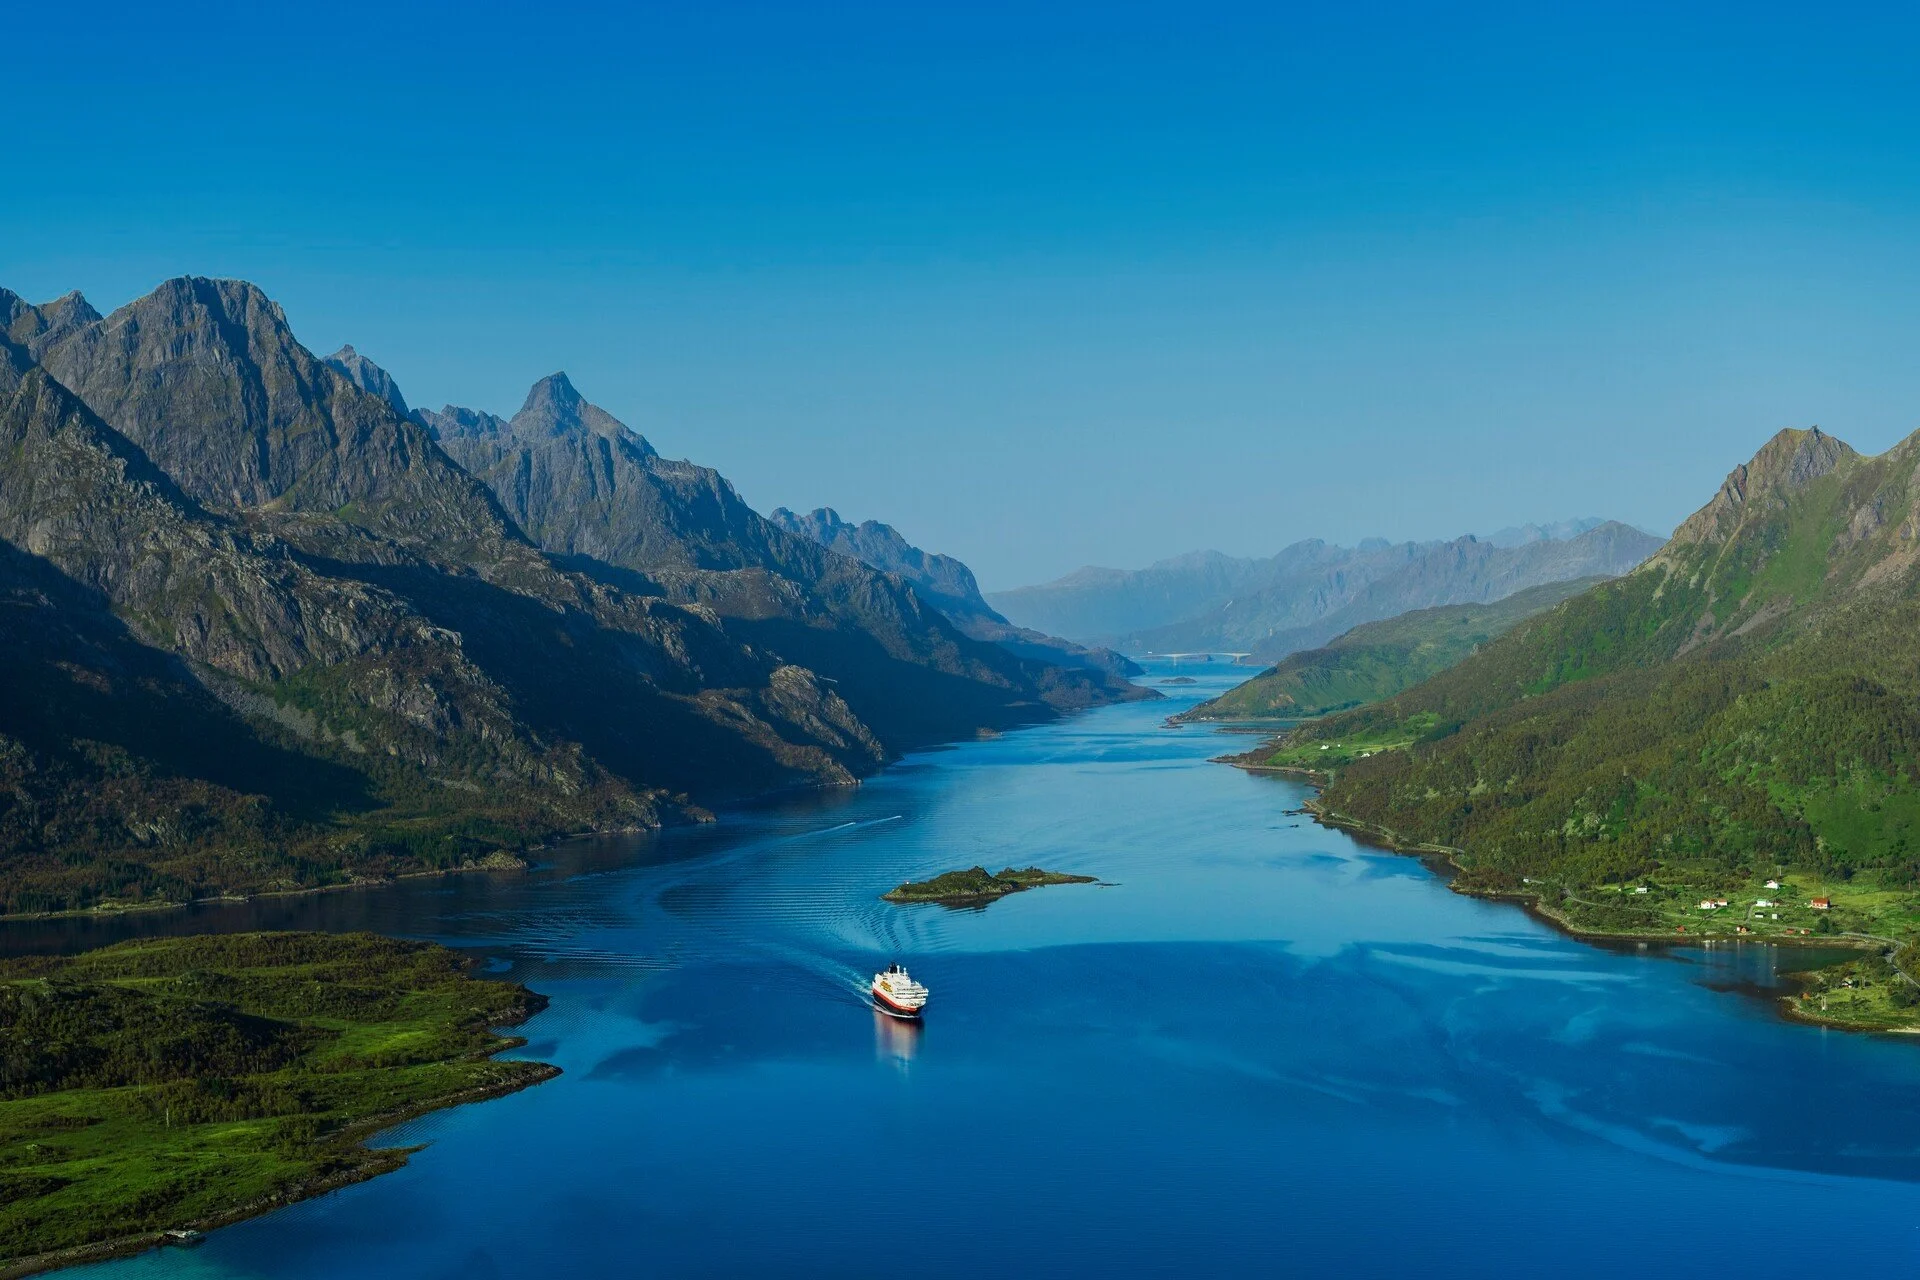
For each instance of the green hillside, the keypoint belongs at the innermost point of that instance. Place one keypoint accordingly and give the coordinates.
(1744, 707)
(1379, 659)
(169, 1084)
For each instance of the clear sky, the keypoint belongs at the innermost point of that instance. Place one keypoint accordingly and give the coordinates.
(1043, 285)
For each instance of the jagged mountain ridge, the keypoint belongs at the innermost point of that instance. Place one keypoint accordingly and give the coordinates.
(1554, 531)
(1097, 606)
(381, 503)
(368, 376)
(1313, 591)
(131, 585)
(206, 377)
(595, 492)
(949, 585)
(943, 581)
(328, 583)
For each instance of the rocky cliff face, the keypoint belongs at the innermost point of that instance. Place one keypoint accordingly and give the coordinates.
(949, 586)
(591, 490)
(944, 582)
(236, 634)
(207, 379)
(368, 376)
(300, 568)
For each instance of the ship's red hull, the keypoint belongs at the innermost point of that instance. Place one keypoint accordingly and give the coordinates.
(897, 1010)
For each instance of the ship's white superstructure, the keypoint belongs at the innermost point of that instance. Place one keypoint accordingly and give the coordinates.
(897, 993)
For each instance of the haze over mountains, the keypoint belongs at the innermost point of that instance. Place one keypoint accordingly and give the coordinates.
(401, 640)
(1312, 591)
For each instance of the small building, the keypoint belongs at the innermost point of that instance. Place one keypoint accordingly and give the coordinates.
(1773, 884)
(1762, 902)
(1821, 904)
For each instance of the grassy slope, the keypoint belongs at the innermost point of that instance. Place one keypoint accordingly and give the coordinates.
(1379, 659)
(163, 1083)
(1746, 708)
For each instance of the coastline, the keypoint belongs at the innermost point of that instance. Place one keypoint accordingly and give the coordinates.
(346, 1156)
(378, 1160)
(516, 859)
(1444, 861)
(494, 862)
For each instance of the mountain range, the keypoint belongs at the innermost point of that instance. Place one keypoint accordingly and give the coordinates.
(1312, 591)
(269, 628)
(949, 586)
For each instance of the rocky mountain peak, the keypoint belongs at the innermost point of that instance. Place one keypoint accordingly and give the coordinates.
(553, 406)
(208, 379)
(25, 323)
(555, 409)
(452, 422)
(368, 376)
(1789, 462)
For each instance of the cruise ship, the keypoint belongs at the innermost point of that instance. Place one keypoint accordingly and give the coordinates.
(897, 993)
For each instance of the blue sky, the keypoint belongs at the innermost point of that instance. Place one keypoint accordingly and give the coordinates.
(1042, 285)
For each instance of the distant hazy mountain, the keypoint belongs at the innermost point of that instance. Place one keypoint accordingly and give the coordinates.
(1558, 531)
(1095, 605)
(1376, 660)
(1311, 591)
(949, 586)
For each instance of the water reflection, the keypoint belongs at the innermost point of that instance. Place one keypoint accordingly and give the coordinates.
(896, 1040)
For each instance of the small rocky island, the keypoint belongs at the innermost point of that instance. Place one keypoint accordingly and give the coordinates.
(1180, 680)
(976, 886)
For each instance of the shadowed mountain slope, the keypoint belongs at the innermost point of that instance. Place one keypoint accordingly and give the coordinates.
(594, 492)
(299, 569)
(949, 586)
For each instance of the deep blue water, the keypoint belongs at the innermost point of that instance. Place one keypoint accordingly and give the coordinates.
(1261, 1048)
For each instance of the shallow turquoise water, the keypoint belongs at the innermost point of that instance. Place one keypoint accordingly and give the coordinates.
(1259, 1048)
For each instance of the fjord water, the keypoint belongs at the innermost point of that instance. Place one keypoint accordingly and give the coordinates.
(1259, 1047)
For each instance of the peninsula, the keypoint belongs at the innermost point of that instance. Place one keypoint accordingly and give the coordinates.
(162, 1087)
(977, 886)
